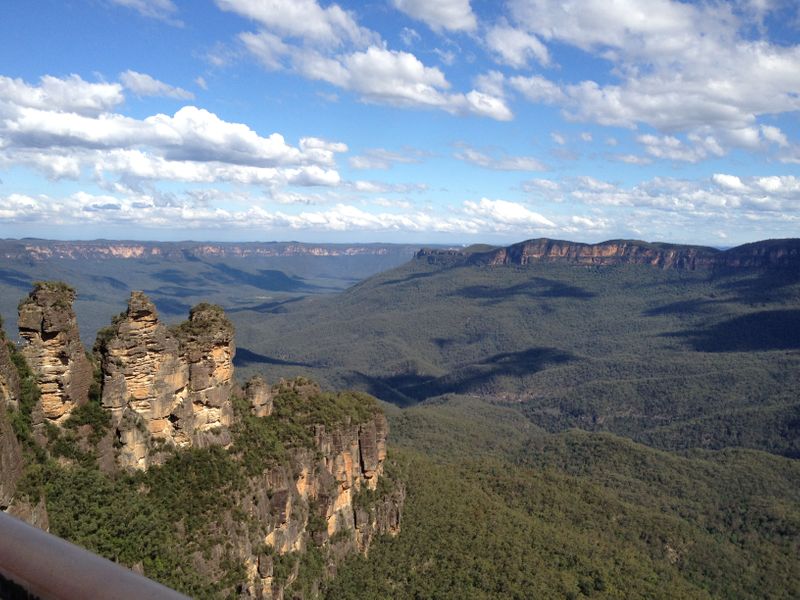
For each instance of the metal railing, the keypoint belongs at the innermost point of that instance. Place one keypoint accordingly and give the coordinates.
(35, 564)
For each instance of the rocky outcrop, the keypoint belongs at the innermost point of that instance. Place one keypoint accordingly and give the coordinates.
(259, 395)
(54, 351)
(768, 253)
(325, 497)
(166, 386)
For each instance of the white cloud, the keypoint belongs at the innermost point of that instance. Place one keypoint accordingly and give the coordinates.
(671, 148)
(538, 89)
(453, 15)
(631, 159)
(380, 187)
(409, 36)
(268, 48)
(723, 196)
(558, 138)
(399, 79)
(71, 94)
(731, 182)
(380, 158)
(586, 136)
(191, 145)
(774, 135)
(507, 214)
(142, 84)
(515, 47)
(156, 9)
(503, 162)
(303, 19)
(683, 67)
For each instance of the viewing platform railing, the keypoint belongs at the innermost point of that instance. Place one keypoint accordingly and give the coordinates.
(35, 564)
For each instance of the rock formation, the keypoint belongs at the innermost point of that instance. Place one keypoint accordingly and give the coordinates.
(54, 351)
(769, 253)
(315, 499)
(168, 386)
(259, 396)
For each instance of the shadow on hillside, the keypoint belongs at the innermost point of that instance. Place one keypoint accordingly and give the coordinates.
(767, 286)
(278, 306)
(111, 282)
(411, 277)
(245, 358)
(537, 287)
(177, 277)
(16, 278)
(683, 307)
(480, 377)
(169, 306)
(760, 331)
(265, 279)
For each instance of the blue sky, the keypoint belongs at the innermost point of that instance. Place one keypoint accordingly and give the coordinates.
(450, 121)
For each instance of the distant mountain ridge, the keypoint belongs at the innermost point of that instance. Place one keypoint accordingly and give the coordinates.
(783, 252)
(35, 249)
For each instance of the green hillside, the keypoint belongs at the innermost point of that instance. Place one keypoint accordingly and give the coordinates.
(672, 358)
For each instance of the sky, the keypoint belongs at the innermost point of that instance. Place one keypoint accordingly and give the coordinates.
(416, 121)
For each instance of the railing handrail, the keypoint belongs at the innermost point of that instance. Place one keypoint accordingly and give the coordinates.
(53, 569)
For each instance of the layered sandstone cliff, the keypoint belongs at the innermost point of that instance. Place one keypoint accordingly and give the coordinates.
(54, 351)
(324, 496)
(168, 387)
(768, 253)
(317, 485)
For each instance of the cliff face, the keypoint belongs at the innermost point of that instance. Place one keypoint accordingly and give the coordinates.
(175, 251)
(620, 252)
(322, 497)
(316, 482)
(166, 386)
(54, 351)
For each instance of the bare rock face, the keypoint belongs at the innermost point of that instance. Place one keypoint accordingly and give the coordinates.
(259, 395)
(207, 348)
(54, 351)
(166, 386)
(324, 495)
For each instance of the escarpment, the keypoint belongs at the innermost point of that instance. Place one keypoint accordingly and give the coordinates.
(54, 351)
(769, 253)
(242, 485)
(166, 387)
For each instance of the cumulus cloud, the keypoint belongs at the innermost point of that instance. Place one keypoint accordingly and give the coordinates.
(515, 47)
(397, 78)
(507, 214)
(683, 67)
(671, 148)
(501, 162)
(453, 15)
(303, 19)
(71, 94)
(723, 196)
(327, 44)
(142, 84)
(70, 133)
(538, 89)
